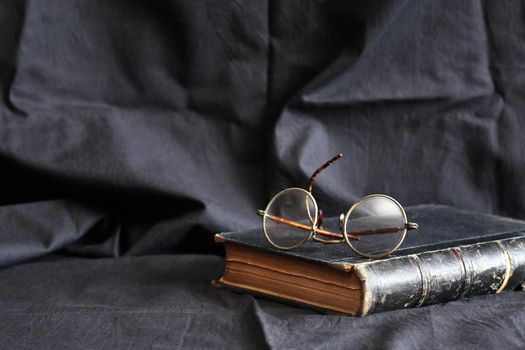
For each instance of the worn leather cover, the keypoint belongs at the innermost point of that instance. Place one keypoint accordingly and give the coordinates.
(439, 227)
(454, 254)
(443, 275)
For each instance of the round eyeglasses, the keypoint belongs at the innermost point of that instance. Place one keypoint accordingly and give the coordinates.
(375, 226)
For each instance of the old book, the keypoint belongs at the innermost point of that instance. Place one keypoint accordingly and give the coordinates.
(454, 254)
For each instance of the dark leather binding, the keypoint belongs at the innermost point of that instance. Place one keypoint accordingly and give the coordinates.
(442, 275)
(454, 254)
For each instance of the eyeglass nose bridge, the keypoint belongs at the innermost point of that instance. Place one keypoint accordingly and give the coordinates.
(327, 241)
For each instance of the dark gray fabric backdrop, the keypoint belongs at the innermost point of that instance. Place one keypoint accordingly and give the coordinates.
(131, 131)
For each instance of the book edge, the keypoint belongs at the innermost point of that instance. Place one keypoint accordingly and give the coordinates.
(268, 295)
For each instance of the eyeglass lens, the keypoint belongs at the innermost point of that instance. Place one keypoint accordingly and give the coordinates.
(290, 217)
(379, 223)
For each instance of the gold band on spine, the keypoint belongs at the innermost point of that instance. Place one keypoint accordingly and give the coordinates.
(508, 268)
(425, 280)
(456, 253)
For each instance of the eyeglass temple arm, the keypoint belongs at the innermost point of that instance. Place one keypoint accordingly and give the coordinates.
(321, 168)
(408, 226)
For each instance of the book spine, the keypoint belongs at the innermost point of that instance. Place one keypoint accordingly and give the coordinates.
(443, 275)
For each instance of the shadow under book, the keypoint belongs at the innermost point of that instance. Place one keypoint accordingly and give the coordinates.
(454, 254)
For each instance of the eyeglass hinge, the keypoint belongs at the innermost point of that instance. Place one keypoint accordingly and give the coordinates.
(411, 226)
(342, 221)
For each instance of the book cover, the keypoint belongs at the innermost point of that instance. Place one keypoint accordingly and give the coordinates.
(453, 254)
